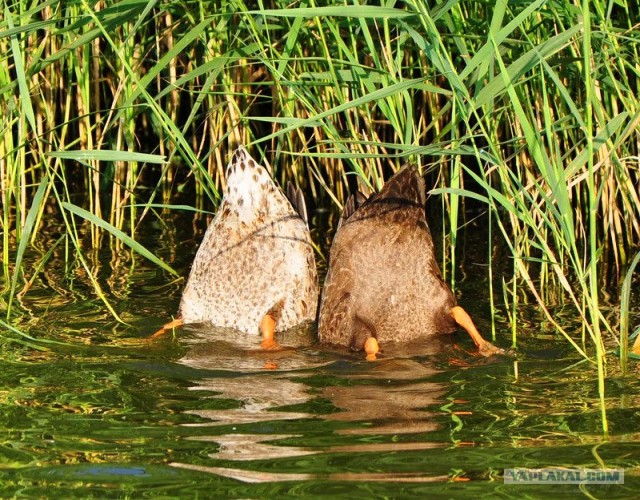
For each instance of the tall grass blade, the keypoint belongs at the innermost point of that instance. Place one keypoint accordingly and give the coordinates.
(106, 155)
(350, 11)
(625, 297)
(27, 231)
(126, 239)
(390, 90)
(21, 77)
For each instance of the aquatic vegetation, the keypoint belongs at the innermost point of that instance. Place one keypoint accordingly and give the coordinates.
(113, 110)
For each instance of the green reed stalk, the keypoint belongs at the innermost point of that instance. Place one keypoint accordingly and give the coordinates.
(625, 297)
(594, 198)
(454, 202)
(27, 231)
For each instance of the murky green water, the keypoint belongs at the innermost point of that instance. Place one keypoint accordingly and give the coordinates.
(106, 413)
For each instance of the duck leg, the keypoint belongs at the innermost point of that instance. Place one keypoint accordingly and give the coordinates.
(463, 319)
(364, 337)
(169, 326)
(636, 346)
(268, 329)
(372, 348)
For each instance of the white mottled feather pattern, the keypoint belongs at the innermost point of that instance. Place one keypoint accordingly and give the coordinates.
(256, 257)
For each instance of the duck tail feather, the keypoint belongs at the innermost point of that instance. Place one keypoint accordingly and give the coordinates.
(296, 198)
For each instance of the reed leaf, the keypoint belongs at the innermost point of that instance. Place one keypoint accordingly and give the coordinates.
(390, 90)
(350, 11)
(106, 155)
(625, 298)
(126, 239)
(25, 100)
(26, 234)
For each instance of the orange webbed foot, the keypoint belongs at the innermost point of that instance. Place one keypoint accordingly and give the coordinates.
(371, 347)
(636, 346)
(268, 329)
(463, 319)
(176, 323)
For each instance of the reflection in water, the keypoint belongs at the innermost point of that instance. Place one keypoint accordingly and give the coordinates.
(249, 476)
(213, 348)
(258, 391)
(384, 399)
(394, 403)
(258, 396)
(253, 447)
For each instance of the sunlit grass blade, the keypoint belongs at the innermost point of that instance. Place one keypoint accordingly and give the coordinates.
(107, 155)
(27, 340)
(625, 297)
(27, 231)
(126, 239)
(415, 83)
(350, 11)
(21, 77)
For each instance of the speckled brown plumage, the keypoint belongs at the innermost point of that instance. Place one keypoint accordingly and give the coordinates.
(255, 258)
(383, 279)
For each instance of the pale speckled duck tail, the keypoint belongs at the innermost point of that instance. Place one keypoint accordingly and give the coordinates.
(256, 258)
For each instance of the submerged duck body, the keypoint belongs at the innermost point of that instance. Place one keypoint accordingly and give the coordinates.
(383, 282)
(256, 260)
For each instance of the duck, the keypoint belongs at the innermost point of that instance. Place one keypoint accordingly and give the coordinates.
(255, 269)
(383, 283)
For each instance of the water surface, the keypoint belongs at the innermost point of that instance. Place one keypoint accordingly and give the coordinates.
(205, 413)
